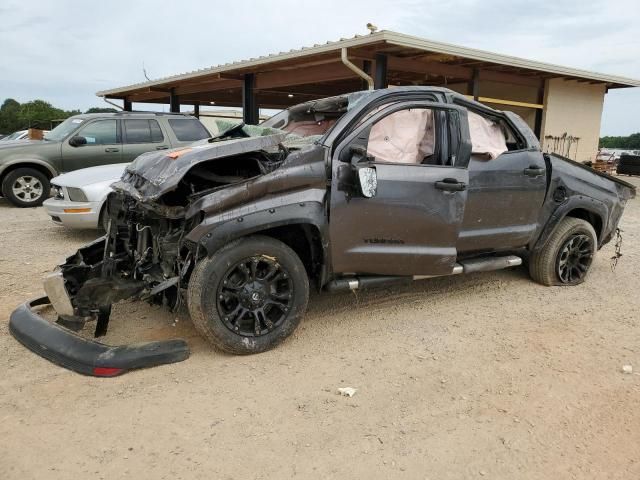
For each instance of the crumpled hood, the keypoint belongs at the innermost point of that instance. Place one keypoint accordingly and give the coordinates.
(155, 173)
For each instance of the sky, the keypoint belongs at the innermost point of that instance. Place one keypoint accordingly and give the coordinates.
(64, 51)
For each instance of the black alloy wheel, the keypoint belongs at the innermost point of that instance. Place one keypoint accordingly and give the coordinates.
(248, 296)
(567, 255)
(574, 258)
(255, 296)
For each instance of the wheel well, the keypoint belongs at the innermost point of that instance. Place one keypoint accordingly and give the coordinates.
(588, 216)
(305, 240)
(41, 168)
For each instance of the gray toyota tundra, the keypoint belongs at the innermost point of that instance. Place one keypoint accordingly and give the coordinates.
(366, 189)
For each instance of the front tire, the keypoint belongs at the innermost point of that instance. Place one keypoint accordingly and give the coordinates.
(249, 296)
(103, 218)
(26, 187)
(567, 256)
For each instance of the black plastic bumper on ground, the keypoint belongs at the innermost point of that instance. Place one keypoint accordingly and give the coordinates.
(70, 350)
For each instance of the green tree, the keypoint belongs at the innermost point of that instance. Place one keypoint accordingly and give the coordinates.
(34, 114)
(9, 116)
(632, 142)
(38, 114)
(101, 110)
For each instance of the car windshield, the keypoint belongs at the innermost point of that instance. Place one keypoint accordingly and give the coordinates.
(64, 129)
(15, 135)
(315, 117)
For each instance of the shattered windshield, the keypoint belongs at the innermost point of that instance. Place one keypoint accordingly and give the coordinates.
(314, 118)
(302, 124)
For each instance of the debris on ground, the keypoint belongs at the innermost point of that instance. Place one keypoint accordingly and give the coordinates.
(627, 369)
(347, 391)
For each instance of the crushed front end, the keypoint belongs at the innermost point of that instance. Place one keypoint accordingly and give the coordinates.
(160, 218)
(139, 258)
(145, 254)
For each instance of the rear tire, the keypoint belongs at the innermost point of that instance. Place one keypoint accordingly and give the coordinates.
(26, 187)
(567, 256)
(249, 296)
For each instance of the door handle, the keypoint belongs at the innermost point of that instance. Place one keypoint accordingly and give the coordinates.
(450, 185)
(111, 149)
(162, 147)
(534, 171)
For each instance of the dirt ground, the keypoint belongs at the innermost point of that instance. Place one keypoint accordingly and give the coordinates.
(480, 376)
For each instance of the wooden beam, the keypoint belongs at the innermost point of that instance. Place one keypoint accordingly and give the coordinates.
(428, 68)
(301, 76)
(149, 96)
(456, 71)
(500, 77)
(507, 102)
(208, 87)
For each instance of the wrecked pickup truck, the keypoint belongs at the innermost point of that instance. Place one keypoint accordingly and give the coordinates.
(365, 189)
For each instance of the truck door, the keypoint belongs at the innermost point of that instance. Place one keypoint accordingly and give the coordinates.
(97, 143)
(414, 154)
(141, 136)
(505, 196)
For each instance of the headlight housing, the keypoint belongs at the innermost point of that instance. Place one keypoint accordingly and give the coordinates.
(76, 194)
(57, 192)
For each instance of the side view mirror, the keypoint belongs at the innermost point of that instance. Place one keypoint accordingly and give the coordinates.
(368, 181)
(77, 140)
(353, 154)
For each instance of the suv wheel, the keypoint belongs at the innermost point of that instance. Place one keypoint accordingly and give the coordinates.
(567, 255)
(249, 296)
(26, 187)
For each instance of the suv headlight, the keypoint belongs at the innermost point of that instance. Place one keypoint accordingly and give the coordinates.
(76, 194)
(57, 192)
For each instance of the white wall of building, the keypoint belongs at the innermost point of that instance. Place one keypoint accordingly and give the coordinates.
(571, 119)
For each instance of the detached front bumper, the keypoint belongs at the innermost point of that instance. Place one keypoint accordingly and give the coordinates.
(88, 357)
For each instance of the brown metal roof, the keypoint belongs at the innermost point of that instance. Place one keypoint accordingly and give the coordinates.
(289, 77)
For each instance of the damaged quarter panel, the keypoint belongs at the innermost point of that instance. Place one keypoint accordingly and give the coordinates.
(576, 190)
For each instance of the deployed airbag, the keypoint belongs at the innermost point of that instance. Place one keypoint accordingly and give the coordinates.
(487, 137)
(405, 136)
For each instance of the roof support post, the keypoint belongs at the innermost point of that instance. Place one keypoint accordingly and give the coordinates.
(196, 110)
(474, 84)
(380, 77)
(250, 112)
(126, 104)
(537, 128)
(366, 68)
(174, 101)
